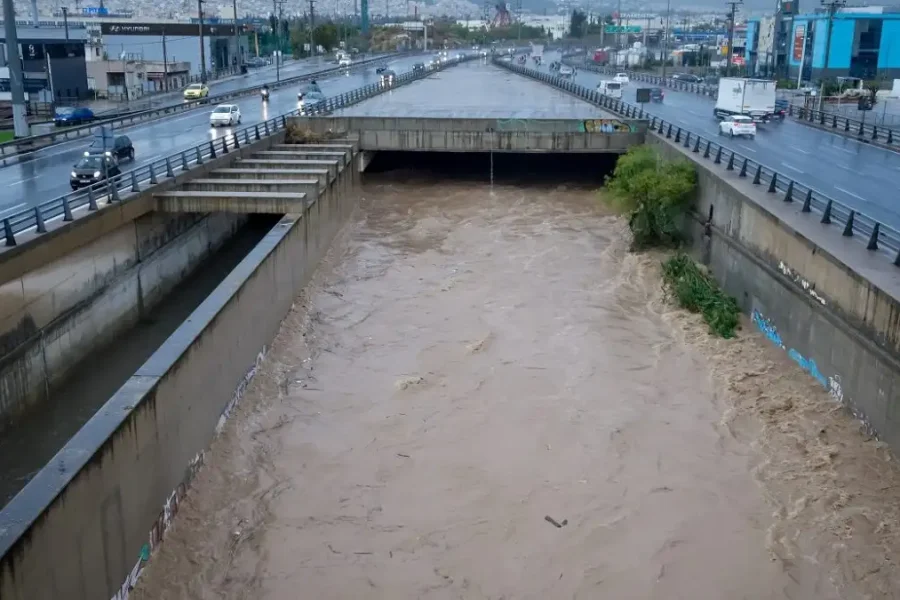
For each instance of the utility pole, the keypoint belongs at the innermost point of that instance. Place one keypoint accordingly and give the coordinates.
(238, 55)
(65, 12)
(619, 28)
(165, 62)
(277, 12)
(665, 47)
(202, 46)
(519, 19)
(16, 79)
(733, 4)
(312, 27)
(833, 6)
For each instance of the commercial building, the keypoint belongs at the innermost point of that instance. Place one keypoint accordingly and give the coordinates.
(858, 42)
(53, 63)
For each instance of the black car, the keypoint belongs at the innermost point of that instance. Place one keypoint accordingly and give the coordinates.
(381, 69)
(119, 147)
(687, 78)
(92, 169)
(657, 94)
(418, 67)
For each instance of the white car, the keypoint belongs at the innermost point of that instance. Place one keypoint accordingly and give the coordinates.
(344, 61)
(566, 71)
(738, 125)
(621, 78)
(225, 115)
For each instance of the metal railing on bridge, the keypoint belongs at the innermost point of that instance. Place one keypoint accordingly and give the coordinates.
(866, 132)
(878, 237)
(119, 188)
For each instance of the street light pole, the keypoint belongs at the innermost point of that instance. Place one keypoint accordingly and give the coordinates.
(665, 52)
(16, 78)
(202, 47)
(832, 6)
(239, 56)
(734, 4)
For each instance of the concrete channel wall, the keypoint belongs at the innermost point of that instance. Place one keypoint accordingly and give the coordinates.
(55, 317)
(85, 525)
(825, 300)
(65, 293)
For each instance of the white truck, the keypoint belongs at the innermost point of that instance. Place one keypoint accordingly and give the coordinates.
(754, 98)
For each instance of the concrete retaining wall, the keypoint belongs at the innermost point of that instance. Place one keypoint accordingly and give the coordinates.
(54, 317)
(87, 522)
(822, 298)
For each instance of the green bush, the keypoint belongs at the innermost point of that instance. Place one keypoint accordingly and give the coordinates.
(654, 193)
(693, 289)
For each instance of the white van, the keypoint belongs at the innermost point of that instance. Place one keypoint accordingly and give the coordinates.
(613, 89)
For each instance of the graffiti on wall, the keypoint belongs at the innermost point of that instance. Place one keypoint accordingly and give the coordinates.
(767, 328)
(173, 502)
(607, 126)
(809, 288)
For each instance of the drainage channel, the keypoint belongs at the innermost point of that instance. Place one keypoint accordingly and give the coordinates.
(29, 444)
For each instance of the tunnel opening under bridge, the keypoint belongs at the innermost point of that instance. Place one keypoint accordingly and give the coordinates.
(509, 168)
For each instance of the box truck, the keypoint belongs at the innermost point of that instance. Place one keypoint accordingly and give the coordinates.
(754, 98)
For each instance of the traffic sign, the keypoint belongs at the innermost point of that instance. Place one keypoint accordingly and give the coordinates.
(622, 29)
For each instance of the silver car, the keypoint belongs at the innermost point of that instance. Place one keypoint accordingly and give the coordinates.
(311, 101)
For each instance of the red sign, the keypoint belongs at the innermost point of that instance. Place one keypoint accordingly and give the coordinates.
(799, 42)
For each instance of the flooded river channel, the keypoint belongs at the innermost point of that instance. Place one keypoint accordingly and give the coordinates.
(483, 394)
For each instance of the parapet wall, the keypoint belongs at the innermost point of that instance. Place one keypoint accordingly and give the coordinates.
(85, 525)
(822, 298)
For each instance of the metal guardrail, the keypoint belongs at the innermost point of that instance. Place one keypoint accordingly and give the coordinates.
(23, 146)
(852, 223)
(119, 188)
(869, 132)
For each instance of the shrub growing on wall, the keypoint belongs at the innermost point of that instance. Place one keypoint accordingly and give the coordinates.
(654, 193)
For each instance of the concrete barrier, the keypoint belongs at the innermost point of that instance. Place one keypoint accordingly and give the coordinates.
(828, 302)
(85, 525)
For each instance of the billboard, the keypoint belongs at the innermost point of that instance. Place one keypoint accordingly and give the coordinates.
(799, 42)
(159, 29)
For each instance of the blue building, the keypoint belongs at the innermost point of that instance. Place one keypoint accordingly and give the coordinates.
(861, 42)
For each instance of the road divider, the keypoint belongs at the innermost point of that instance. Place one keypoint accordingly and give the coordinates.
(19, 149)
(119, 188)
(877, 236)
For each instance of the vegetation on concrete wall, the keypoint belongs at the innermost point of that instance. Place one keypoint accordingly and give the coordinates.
(656, 195)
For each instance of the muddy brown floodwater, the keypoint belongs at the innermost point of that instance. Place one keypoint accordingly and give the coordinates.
(469, 362)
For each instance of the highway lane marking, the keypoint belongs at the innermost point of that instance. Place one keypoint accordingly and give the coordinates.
(791, 167)
(12, 208)
(800, 150)
(845, 150)
(849, 193)
(747, 148)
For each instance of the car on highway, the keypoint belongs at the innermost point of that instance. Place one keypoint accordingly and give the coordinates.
(418, 67)
(566, 71)
(311, 100)
(92, 169)
(738, 125)
(225, 115)
(657, 95)
(256, 62)
(72, 115)
(381, 68)
(344, 61)
(621, 78)
(388, 77)
(118, 147)
(196, 91)
(613, 89)
(687, 78)
(306, 88)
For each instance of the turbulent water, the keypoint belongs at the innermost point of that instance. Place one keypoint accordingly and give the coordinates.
(472, 365)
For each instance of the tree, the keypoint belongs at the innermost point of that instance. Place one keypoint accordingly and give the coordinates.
(577, 23)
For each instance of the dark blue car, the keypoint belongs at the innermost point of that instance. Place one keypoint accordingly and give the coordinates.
(72, 115)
